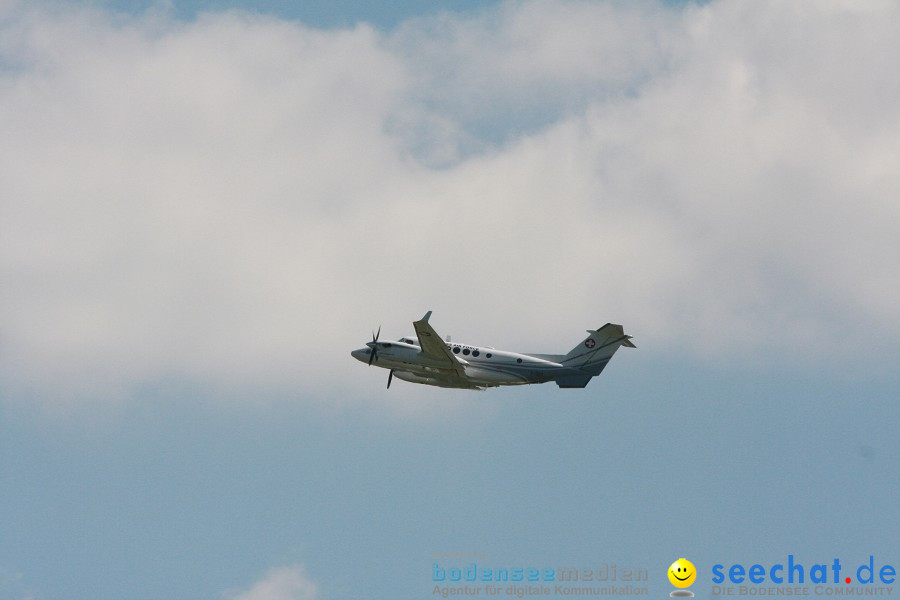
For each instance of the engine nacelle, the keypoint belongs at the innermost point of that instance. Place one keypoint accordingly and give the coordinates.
(414, 378)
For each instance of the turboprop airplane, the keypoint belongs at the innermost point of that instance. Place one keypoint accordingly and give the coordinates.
(426, 359)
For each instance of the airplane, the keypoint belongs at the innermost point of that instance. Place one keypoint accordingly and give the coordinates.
(428, 360)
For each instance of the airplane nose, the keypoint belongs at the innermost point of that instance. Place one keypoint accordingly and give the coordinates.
(359, 355)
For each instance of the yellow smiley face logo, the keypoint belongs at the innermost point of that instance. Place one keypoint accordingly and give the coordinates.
(682, 573)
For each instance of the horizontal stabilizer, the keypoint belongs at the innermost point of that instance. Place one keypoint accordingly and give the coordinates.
(598, 346)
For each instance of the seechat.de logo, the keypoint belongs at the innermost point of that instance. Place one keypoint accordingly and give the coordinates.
(793, 572)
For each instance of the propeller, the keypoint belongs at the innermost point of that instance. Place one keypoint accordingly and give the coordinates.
(374, 356)
(374, 346)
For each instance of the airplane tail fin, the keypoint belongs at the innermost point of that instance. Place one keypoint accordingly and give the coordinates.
(593, 353)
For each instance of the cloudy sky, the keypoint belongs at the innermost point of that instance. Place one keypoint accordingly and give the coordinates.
(205, 205)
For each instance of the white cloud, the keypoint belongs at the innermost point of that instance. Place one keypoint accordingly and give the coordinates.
(282, 583)
(236, 201)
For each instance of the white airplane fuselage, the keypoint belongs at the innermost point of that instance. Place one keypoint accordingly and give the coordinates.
(485, 367)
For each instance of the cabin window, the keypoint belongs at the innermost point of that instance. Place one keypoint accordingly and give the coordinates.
(466, 351)
(489, 355)
(475, 352)
(456, 350)
(518, 360)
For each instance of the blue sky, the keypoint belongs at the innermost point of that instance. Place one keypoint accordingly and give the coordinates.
(204, 210)
(318, 13)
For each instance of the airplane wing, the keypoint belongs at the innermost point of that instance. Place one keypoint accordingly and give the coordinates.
(435, 349)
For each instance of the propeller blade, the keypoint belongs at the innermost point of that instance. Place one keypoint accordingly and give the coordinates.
(374, 355)
(390, 376)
